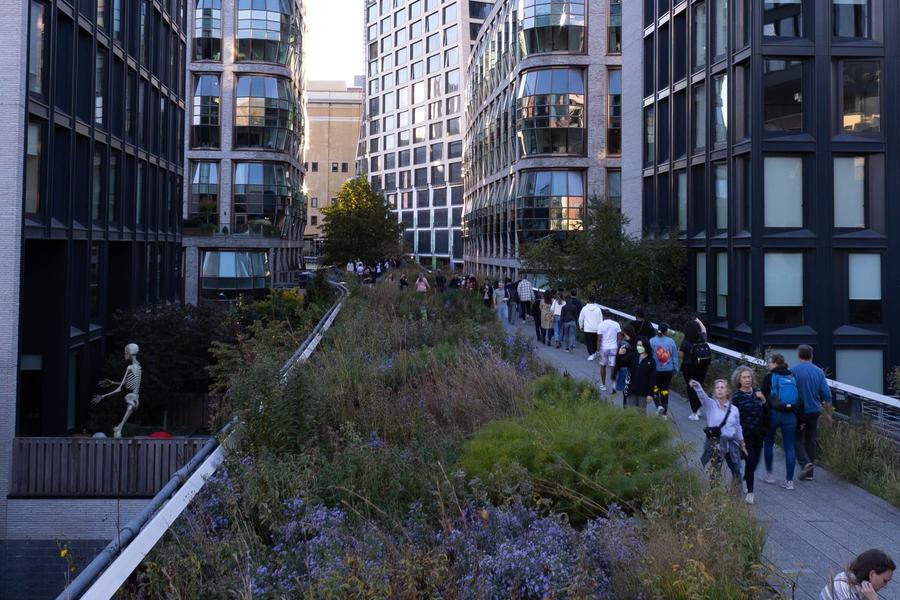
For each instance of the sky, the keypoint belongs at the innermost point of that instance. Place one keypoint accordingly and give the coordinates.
(334, 39)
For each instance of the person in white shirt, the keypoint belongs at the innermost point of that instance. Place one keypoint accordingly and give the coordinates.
(589, 321)
(608, 332)
(869, 573)
(557, 307)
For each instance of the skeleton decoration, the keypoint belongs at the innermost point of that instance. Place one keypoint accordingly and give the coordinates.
(131, 384)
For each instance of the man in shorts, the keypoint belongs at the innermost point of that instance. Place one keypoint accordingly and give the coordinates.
(608, 332)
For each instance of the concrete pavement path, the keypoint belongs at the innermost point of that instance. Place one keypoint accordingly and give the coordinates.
(812, 532)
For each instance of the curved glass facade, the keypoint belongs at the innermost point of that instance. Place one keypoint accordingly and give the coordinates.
(205, 117)
(227, 274)
(263, 199)
(265, 113)
(550, 107)
(208, 30)
(551, 26)
(547, 202)
(266, 31)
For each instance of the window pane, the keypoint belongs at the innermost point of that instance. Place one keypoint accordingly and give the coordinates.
(783, 95)
(861, 96)
(681, 182)
(865, 276)
(36, 49)
(862, 368)
(720, 28)
(699, 36)
(722, 284)
(699, 118)
(783, 191)
(33, 149)
(720, 109)
(783, 277)
(701, 282)
(851, 18)
(850, 191)
(783, 18)
(721, 191)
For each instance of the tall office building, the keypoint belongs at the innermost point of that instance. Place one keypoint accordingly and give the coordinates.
(764, 147)
(335, 111)
(412, 142)
(544, 131)
(244, 205)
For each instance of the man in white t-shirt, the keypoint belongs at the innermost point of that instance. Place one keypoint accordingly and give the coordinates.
(608, 332)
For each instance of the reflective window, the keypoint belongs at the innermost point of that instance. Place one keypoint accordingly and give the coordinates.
(783, 96)
(720, 28)
(699, 36)
(720, 109)
(850, 18)
(263, 198)
(33, 158)
(551, 112)
(783, 284)
(208, 30)
(698, 117)
(225, 275)
(100, 88)
(783, 18)
(720, 190)
(861, 96)
(203, 208)
(614, 112)
(551, 26)
(721, 284)
(614, 38)
(862, 367)
(614, 187)
(36, 47)
(266, 31)
(205, 116)
(548, 201)
(265, 114)
(701, 282)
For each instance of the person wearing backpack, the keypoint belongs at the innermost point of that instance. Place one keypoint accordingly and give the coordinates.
(780, 389)
(665, 353)
(694, 356)
(752, 405)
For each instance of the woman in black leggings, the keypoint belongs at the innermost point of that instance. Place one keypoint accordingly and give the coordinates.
(690, 368)
(750, 403)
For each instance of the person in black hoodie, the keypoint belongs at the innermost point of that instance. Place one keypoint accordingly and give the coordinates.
(536, 314)
(693, 367)
(642, 376)
(568, 320)
(751, 404)
(642, 327)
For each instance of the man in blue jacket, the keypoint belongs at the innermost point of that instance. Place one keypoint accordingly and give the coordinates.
(815, 393)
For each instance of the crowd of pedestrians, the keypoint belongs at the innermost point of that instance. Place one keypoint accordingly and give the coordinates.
(640, 360)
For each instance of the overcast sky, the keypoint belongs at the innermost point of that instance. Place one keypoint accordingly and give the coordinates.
(334, 39)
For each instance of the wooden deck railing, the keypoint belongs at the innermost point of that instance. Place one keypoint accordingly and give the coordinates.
(97, 467)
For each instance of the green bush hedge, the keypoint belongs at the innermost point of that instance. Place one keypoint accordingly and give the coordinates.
(581, 454)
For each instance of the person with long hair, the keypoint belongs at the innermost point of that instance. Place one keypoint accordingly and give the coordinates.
(751, 403)
(487, 293)
(557, 306)
(422, 283)
(693, 365)
(547, 317)
(780, 389)
(869, 573)
(639, 387)
(626, 358)
(723, 426)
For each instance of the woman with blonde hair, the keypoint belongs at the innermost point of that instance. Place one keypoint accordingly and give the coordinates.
(723, 427)
(751, 403)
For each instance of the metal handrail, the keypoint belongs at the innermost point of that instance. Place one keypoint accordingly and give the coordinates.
(208, 458)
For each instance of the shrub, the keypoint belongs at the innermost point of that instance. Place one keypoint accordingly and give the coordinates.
(702, 543)
(581, 454)
(862, 455)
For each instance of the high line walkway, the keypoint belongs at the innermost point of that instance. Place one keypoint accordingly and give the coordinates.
(811, 533)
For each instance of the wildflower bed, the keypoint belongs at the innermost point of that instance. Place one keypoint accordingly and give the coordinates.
(357, 479)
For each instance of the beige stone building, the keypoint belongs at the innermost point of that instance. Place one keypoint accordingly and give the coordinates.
(335, 110)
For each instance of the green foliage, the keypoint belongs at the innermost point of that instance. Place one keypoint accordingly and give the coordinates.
(603, 258)
(703, 543)
(580, 453)
(894, 380)
(359, 225)
(862, 455)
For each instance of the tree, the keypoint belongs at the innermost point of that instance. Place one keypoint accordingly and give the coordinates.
(601, 257)
(359, 225)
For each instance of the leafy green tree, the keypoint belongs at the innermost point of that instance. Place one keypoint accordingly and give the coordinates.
(603, 258)
(359, 225)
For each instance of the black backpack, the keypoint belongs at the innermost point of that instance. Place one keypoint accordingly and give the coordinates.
(701, 353)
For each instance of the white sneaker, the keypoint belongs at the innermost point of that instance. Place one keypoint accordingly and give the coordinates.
(694, 417)
(661, 411)
(602, 388)
(699, 412)
(769, 478)
(749, 498)
(592, 357)
(789, 485)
